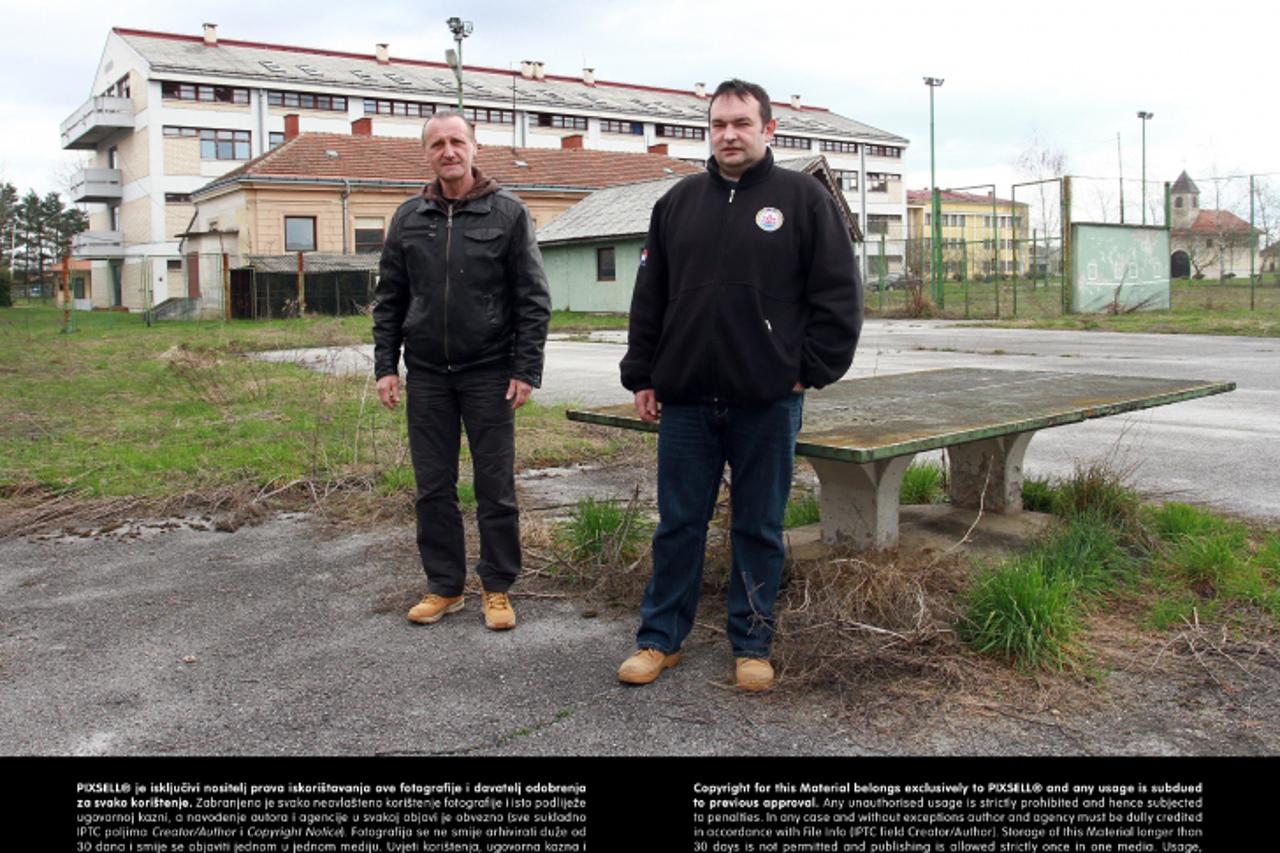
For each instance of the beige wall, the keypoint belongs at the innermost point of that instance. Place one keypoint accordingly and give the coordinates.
(133, 155)
(182, 155)
(138, 90)
(135, 221)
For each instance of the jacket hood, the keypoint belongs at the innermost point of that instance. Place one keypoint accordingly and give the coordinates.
(482, 186)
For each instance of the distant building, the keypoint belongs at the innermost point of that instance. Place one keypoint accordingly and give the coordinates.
(592, 252)
(978, 234)
(168, 112)
(1207, 243)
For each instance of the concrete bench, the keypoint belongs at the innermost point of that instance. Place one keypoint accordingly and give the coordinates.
(861, 434)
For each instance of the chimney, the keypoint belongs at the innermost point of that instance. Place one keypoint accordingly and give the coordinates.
(795, 102)
(526, 69)
(211, 35)
(539, 71)
(383, 57)
(362, 126)
(572, 141)
(589, 76)
(700, 89)
(290, 126)
(658, 148)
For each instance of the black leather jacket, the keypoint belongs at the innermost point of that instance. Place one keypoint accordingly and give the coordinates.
(461, 285)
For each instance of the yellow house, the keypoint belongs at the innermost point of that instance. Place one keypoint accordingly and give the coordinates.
(329, 198)
(977, 234)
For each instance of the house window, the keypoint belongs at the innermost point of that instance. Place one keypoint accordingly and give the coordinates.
(177, 198)
(368, 234)
(631, 128)
(201, 92)
(879, 223)
(113, 158)
(274, 138)
(480, 115)
(878, 182)
(884, 151)
(406, 109)
(1177, 202)
(114, 210)
(224, 144)
(799, 142)
(676, 131)
(839, 147)
(561, 121)
(848, 180)
(606, 267)
(299, 233)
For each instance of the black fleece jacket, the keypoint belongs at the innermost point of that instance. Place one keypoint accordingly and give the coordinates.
(743, 290)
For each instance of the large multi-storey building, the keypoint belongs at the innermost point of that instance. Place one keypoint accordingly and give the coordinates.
(978, 234)
(170, 112)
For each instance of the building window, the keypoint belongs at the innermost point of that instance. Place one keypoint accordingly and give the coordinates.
(177, 198)
(848, 180)
(884, 151)
(206, 94)
(120, 89)
(1177, 202)
(480, 115)
(838, 147)
(114, 212)
(562, 122)
(799, 142)
(224, 144)
(878, 223)
(676, 131)
(307, 101)
(174, 132)
(631, 128)
(274, 139)
(606, 267)
(406, 109)
(368, 234)
(878, 182)
(299, 233)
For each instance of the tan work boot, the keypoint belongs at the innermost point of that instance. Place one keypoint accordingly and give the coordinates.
(645, 666)
(498, 612)
(432, 609)
(754, 674)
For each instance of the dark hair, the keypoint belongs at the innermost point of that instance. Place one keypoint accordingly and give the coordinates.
(471, 128)
(743, 89)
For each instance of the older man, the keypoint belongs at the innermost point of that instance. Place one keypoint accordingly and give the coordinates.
(747, 295)
(463, 292)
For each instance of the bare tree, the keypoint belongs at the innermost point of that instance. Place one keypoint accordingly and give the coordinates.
(1041, 160)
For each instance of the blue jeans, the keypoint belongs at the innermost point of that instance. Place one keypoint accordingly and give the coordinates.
(694, 443)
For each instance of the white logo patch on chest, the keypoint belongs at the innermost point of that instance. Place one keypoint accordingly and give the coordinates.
(769, 219)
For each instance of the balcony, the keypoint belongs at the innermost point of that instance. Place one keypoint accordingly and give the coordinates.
(98, 245)
(96, 185)
(96, 119)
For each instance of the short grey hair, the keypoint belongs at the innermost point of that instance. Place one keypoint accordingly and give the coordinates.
(449, 113)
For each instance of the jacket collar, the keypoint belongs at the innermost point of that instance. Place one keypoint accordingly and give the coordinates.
(476, 200)
(757, 173)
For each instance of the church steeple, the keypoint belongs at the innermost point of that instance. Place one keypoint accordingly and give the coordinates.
(1186, 201)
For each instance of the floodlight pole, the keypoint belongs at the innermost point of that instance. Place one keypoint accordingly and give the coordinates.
(460, 29)
(1145, 116)
(936, 231)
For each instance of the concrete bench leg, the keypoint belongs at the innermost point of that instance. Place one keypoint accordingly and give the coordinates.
(859, 502)
(995, 463)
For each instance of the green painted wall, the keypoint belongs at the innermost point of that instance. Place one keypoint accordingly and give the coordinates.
(571, 272)
(1126, 265)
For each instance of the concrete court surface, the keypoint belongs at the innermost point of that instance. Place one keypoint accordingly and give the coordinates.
(1222, 450)
(285, 638)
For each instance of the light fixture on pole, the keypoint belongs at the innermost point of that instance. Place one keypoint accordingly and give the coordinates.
(935, 205)
(460, 29)
(1144, 115)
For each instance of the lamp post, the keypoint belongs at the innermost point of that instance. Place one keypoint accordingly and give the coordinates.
(1144, 115)
(935, 238)
(460, 29)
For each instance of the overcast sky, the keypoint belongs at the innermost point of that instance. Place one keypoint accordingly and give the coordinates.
(1074, 75)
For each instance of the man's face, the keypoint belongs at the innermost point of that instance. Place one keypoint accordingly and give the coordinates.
(450, 148)
(738, 137)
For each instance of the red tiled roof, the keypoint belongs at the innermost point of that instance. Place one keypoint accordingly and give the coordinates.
(925, 197)
(1216, 222)
(401, 160)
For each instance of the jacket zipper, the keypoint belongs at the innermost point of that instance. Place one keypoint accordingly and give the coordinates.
(448, 264)
(720, 275)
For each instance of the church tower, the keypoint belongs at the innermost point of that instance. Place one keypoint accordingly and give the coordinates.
(1185, 201)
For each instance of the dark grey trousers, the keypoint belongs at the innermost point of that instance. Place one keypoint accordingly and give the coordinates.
(438, 405)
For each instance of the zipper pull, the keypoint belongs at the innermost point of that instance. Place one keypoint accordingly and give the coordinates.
(731, 192)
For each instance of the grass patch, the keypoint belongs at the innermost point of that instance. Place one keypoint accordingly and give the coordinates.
(1097, 490)
(923, 483)
(1038, 495)
(582, 321)
(801, 510)
(1018, 612)
(600, 536)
